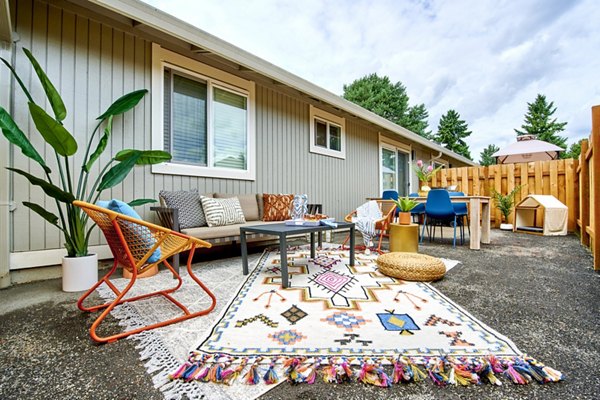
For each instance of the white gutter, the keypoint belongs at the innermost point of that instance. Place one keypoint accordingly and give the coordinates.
(168, 24)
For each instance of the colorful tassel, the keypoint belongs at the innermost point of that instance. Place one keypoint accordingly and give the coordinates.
(231, 374)
(271, 376)
(252, 377)
(179, 372)
(373, 374)
(291, 371)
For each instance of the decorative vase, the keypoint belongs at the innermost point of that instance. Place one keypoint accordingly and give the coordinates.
(424, 190)
(79, 273)
(506, 227)
(299, 206)
(404, 218)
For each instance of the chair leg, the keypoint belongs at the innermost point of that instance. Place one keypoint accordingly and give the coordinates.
(165, 293)
(454, 239)
(423, 228)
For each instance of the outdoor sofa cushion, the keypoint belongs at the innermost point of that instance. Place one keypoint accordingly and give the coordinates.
(220, 212)
(206, 233)
(188, 203)
(247, 201)
(277, 206)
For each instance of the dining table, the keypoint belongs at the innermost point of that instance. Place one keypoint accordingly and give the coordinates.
(479, 217)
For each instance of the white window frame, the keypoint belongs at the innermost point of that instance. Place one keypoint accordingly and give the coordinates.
(214, 78)
(328, 118)
(390, 144)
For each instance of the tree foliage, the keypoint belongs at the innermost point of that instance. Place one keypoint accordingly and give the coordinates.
(574, 151)
(539, 121)
(486, 155)
(388, 100)
(451, 133)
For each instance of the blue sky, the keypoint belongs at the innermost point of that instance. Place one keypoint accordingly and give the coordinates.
(485, 59)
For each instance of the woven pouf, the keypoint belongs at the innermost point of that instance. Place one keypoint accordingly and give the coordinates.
(411, 266)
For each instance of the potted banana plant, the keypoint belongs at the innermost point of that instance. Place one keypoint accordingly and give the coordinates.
(62, 185)
(405, 205)
(505, 204)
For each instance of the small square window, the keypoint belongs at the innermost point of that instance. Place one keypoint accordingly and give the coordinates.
(327, 136)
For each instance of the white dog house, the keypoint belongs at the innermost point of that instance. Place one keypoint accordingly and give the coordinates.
(542, 214)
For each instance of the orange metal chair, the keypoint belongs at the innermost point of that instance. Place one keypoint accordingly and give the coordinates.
(132, 242)
(382, 225)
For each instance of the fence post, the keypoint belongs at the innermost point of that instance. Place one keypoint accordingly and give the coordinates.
(584, 193)
(596, 184)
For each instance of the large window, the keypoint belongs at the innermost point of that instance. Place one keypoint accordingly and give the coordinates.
(327, 133)
(204, 118)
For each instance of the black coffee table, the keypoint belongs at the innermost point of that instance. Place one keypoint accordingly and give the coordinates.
(283, 231)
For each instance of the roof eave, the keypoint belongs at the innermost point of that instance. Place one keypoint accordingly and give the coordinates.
(170, 25)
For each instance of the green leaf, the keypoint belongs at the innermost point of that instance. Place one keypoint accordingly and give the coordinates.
(60, 112)
(48, 216)
(140, 202)
(53, 132)
(101, 145)
(18, 80)
(147, 157)
(48, 188)
(124, 103)
(118, 173)
(14, 135)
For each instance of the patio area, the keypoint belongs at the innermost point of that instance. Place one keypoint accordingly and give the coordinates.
(541, 292)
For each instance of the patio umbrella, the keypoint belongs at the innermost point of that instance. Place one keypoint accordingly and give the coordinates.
(527, 148)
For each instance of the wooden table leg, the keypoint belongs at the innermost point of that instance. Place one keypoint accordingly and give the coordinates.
(475, 215)
(284, 269)
(485, 223)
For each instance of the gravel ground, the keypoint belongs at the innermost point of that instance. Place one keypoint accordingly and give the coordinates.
(541, 292)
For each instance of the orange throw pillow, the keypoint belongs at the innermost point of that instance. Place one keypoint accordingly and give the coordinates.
(277, 206)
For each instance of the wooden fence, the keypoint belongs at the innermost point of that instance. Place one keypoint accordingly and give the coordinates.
(576, 183)
(588, 173)
(557, 178)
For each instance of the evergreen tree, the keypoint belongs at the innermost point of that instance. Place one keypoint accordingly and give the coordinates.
(486, 155)
(539, 122)
(388, 100)
(415, 120)
(573, 152)
(451, 133)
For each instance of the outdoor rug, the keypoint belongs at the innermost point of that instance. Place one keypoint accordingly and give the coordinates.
(340, 323)
(336, 323)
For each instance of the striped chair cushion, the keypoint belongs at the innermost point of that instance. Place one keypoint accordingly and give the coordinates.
(220, 212)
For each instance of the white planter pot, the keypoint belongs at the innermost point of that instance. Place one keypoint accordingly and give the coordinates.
(79, 273)
(506, 227)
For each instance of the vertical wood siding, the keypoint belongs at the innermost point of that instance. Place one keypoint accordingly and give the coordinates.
(92, 64)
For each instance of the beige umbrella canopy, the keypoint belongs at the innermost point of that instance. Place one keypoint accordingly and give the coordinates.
(527, 148)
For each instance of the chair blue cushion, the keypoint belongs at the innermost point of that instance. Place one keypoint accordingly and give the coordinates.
(459, 208)
(125, 209)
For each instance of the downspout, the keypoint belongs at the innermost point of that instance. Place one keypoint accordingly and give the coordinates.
(440, 154)
(6, 52)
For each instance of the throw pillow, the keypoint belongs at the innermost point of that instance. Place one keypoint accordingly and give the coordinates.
(248, 203)
(130, 233)
(188, 203)
(277, 206)
(221, 212)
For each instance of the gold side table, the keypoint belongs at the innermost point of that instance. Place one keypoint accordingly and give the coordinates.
(404, 238)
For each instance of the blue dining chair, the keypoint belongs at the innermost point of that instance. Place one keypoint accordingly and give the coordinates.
(439, 210)
(418, 211)
(463, 213)
(391, 194)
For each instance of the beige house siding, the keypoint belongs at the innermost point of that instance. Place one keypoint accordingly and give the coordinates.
(93, 59)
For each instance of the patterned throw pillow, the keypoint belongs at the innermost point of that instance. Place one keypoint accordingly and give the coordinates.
(220, 212)
(277, 206)
(191, 214)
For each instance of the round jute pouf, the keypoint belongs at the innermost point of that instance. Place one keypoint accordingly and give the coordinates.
(411, 266)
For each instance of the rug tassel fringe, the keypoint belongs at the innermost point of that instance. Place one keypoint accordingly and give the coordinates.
(442, 371)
